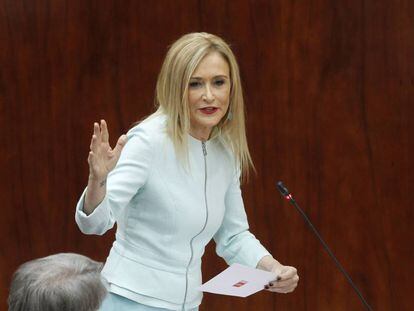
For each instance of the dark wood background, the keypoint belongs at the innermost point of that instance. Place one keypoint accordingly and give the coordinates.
(329, 88)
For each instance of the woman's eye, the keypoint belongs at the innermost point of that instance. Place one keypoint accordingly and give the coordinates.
(194, 84)
(219, 82)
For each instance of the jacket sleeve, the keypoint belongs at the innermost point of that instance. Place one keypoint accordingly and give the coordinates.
(123, 182)
(234, 242)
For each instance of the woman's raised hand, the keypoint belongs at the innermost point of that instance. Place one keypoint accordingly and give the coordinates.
(102, 158)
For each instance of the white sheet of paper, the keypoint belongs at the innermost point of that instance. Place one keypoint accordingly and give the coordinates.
(238, 280)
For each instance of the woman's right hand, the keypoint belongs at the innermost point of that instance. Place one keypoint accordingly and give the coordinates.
(102, 158)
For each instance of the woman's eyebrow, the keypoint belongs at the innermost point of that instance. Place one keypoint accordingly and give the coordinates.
(215, 77)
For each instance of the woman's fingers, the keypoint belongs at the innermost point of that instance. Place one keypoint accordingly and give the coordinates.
(102, 159)
(286, 288)
(94, 143)
(282, 290)
(100, 135)
(90, 156)
(104, 132)
(286, 282)
(288, 273)
(95, 137)
(120, 144)
(97, 130)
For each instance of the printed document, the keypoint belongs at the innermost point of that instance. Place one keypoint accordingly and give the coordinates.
(238, 280)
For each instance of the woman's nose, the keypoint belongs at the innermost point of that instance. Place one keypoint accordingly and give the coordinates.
(208, 94)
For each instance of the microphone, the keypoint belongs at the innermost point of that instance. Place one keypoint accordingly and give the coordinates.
(288, 196)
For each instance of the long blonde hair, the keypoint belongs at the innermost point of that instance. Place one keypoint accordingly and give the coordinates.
(171, 96)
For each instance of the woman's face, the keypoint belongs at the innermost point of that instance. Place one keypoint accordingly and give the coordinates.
(208, 94)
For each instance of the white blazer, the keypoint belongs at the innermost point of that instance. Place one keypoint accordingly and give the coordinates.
(166, 214)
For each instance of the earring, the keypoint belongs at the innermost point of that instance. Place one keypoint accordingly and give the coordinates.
(229, 116)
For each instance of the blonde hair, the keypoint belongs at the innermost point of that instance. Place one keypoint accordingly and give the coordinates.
(171, 96)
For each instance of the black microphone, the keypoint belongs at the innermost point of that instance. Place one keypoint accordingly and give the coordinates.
(285, 192)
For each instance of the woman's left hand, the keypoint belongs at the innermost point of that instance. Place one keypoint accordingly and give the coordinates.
(286, 280)
(286, 276)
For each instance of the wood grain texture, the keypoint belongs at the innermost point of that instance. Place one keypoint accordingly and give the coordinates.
(328, 86)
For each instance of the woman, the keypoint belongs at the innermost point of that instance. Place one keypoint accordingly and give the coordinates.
(176, 185)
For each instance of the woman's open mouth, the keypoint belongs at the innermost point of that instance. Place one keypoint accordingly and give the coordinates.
(208, 110)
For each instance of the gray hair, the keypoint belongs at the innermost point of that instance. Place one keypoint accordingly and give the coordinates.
(64, 282)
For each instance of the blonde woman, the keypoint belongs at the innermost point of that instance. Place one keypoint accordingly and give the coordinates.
(176, 185)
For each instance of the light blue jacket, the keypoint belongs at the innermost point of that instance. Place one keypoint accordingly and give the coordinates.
(166, 214)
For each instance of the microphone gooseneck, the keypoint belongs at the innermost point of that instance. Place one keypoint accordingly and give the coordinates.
(288, 196)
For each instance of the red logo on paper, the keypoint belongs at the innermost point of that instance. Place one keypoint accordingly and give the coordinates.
(240, 284)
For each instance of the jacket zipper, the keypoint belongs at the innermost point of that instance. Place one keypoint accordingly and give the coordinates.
(203, 146)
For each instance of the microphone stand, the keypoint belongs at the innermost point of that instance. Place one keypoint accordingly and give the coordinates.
(286, 194)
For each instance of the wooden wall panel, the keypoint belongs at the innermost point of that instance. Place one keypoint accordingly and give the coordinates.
(328, 86)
